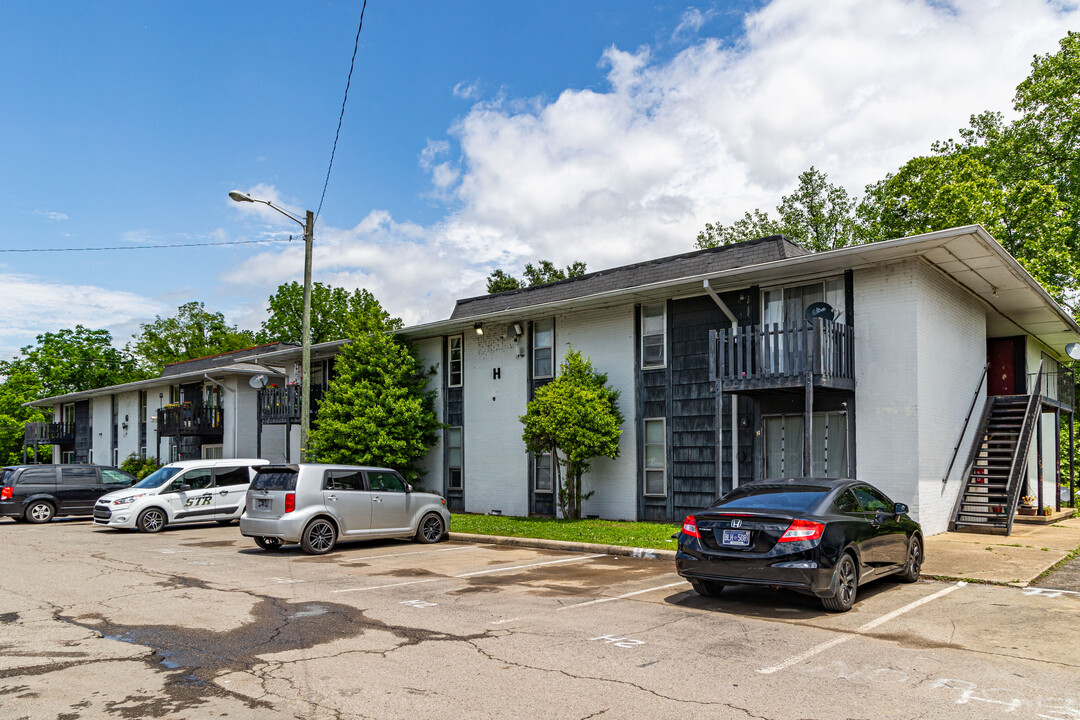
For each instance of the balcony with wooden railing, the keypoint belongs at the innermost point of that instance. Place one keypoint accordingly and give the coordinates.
(282, 406)
(775, 357)
(191, 420)
(49, 433)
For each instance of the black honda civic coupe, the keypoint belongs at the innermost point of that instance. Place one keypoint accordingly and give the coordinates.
(822, 537)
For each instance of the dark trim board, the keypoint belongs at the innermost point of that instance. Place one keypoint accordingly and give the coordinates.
(541, 504)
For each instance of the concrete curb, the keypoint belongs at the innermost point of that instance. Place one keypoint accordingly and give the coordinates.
(643, 553)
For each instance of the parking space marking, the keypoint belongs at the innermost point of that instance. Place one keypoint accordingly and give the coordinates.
(418, 603)
(382, 587)
(621, 642)
(1047, 592)
(521, 567)
(414, 552)
(817, 649)
(621, 597)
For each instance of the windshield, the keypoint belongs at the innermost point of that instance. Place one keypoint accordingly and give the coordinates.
(157, 478)
(772, 497)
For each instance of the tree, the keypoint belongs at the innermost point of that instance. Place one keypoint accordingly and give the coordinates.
(818, 214)
(19, 386)
(377, 409)
(544, 272)
(332, 311)
(192, 333)
(576, 418)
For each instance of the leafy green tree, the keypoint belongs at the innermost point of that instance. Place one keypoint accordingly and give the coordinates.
(377, 409)
(192, 333)
(544, 272)
(576, 418)
(820, 215)
(20, 385)
(140, 467)
(332, 311)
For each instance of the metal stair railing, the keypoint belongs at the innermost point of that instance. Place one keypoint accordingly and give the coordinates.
(967, 420)
(1023, 447)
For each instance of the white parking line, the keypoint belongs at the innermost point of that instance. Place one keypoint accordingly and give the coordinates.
(817, 649)
(414, 552)
(621, 597)
(381, 587)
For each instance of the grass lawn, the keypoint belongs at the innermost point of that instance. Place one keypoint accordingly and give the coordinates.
(607, 532)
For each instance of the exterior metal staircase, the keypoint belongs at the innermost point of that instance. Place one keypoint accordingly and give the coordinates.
(997, 465)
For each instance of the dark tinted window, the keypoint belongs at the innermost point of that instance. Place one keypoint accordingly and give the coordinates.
(386, 482)
(116, 477)
(847, 502)
(198, 479)
(871, 500)
(345, 480)
(231, 476)
(157, 478)
(78, 476)
(38, 476)
(275, 480)
(772, 497)
(6, 476)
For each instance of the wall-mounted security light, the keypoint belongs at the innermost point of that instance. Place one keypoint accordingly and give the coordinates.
(518, 330)
(479, 328)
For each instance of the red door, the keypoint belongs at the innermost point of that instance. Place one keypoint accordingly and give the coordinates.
(1002, 374)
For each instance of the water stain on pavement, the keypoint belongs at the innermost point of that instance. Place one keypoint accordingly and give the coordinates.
(210, 544)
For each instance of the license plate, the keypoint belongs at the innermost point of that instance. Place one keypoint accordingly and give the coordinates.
(262, 503)
(736, 538)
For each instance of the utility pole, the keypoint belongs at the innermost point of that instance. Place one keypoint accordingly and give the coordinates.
(305, 381)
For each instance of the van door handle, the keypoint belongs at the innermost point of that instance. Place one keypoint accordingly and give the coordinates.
(376, 499)
(223, 492)
(331, 497)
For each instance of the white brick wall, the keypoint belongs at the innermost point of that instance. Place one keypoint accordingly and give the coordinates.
(127, 441)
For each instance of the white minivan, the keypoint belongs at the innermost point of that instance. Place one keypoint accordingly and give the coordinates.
(187, 491)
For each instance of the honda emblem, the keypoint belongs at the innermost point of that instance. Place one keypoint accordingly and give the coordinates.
(736, 523)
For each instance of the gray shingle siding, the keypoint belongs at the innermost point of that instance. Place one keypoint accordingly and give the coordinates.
(750, 252)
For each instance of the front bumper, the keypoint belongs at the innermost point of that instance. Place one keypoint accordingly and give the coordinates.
(121, 516)
(800, 567)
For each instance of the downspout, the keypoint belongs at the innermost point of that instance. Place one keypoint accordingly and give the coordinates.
(734, 398)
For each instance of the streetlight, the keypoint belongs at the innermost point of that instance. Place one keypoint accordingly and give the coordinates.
(305, 380)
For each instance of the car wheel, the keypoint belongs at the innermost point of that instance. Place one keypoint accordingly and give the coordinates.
(914, 561)
(152, 520)
(845, 583)
(707, 588)
(431, 529)
(39, 511)
(270, 544)
(319, 537)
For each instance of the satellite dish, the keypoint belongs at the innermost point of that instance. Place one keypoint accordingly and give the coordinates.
(258, 382)
(821, 310)
(1073, 350)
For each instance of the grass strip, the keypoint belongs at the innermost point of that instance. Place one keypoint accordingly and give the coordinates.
(605, 532)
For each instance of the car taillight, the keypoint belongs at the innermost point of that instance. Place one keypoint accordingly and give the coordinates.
(290, 502)
(689, 527)
(802, 530)
(5, 493)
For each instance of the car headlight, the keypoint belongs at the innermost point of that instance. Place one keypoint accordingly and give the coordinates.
(128, 500)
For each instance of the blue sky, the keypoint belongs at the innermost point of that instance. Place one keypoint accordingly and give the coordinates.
(477, 135)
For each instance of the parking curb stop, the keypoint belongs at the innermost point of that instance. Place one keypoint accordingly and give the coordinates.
(643, 553)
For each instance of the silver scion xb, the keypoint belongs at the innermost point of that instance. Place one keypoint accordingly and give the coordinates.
(316, 505)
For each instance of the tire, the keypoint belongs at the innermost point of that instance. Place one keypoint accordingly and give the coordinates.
(319, 537)
(707, 588)
(152, 520)
(845, 582)
(431, 529)
(270, 544)
(39, 511)
(913, 567)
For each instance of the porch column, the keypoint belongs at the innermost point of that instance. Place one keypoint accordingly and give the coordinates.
(1039, 462)
(1072, 463)
(1057, 459)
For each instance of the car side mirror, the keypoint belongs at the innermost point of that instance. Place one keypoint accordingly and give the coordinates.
(184, 488)
(408, 488)
(900, 509)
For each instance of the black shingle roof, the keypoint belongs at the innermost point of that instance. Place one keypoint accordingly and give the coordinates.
(699, 262)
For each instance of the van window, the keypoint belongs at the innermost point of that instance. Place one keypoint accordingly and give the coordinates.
(345, 480)
(38, 476)
(198, 479)
(78, 476)
(6, 477)
(115, 477)
(231, 476)
(385, 482)
(275, 480)
(157, 478)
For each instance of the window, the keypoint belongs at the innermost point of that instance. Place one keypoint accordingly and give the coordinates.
(655, 456)
(225, 476)
(542, 473)
(873, 501)
(115, 477)
(68, 412)
(787, 305)
(67, 457)
(543, 343)
(454, 458)
(784, 446)
(116, 457)
(653, 330)
(198, 479)
(345, 480)
(456, 361)
(212, 452)
(78, 475)
(38, 476)
(847, 503)
(385, 482)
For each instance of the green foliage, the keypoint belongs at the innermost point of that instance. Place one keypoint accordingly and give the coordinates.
(605, 532)
(544, 272)
(20, 385)
(193, 332)
(576, 418)
(377, 410)
(138, 466)
(819, 215)
(333, 311)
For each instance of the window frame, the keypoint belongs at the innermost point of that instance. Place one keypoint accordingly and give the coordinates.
(450, 361)
(645, 469)
(551, 348)
(663, 337)
(551, 474)
(805, 472)
(823, 281)
(460, 467)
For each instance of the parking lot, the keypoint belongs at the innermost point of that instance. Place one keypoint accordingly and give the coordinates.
(197, 622)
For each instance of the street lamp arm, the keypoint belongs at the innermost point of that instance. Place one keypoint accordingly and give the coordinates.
(244, 197)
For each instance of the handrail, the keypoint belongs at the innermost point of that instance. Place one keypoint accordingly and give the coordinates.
(1022, 452)
(960, 440)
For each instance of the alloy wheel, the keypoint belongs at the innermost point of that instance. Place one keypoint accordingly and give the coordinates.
(848, 581)
(321, 536)
(433, 528)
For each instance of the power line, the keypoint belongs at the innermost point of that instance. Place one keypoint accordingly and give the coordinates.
(143, 247)
(348, 82)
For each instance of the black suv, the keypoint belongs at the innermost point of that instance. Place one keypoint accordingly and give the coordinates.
(37, 493)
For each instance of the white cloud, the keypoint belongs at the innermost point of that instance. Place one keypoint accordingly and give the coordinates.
(691, 22)
(467, 91)
(51, 216)
(634, 170)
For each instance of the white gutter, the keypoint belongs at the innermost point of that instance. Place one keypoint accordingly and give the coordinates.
(734, 398)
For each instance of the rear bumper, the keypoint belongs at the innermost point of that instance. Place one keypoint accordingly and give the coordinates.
(800, 568)
(287, 528)
(12, 508)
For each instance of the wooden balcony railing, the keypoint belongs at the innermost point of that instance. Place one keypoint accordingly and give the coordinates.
(765, 357)
(280, 406)
(190, 420)
(49, 433)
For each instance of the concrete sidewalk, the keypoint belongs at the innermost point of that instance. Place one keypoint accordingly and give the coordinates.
(1013, 559)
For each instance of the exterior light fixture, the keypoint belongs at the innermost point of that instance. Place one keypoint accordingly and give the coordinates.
(479, 328)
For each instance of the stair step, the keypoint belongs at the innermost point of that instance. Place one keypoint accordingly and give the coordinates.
(973, 513)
